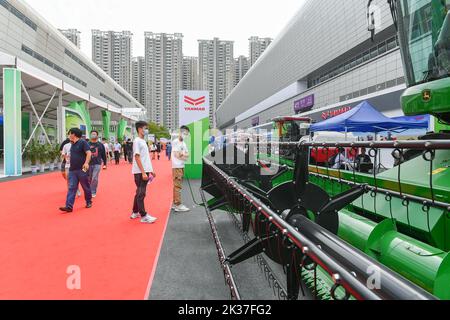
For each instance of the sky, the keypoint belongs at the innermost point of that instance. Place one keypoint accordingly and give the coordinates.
(197, 19)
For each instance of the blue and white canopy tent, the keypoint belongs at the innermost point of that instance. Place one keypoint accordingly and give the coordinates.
(365, 118)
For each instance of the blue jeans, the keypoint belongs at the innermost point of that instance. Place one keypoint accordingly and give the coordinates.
(94, 172)
(75, 178)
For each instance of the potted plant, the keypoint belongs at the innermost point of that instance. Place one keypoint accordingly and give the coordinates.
(43, 156)
(54, 156)
(32, 153)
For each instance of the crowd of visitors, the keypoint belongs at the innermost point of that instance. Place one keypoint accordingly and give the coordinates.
(84, 159)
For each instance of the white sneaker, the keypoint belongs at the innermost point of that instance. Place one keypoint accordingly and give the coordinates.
(182, 208)
(148, 219)
(135, 216)
(78, 193)
(94, 195)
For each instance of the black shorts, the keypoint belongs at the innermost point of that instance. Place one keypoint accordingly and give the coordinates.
(63, 166)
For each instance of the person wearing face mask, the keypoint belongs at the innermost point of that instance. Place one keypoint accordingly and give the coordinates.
(98, 158)
(143, 174)
(180, 155)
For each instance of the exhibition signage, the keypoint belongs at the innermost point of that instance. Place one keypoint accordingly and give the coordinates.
(305, 104)
(255, 122)
(194, 113)
(334, 113)
(75, 120)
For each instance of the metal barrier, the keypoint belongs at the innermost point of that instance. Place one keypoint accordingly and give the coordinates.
(348, 267)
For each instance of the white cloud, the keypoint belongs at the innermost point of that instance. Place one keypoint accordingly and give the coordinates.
(197, 19)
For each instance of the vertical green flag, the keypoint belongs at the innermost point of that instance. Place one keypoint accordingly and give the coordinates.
(106, 118)
(121, 130)
(12, 122)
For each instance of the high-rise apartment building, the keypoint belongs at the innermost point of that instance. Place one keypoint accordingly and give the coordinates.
(257, 46)
(138, 79)
(190, 73)
(163, 77)
(112, 51)
(216, 71)
(241, 67)
(73, 35)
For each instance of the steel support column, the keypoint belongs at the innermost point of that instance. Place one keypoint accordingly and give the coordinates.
(60, 119)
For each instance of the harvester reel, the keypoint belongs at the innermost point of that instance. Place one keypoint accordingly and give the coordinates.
(292, 201)
(292, 207)
(312, 199)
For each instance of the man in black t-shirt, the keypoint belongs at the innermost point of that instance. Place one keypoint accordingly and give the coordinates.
(80, 157)
(130, 151)
(158, 149)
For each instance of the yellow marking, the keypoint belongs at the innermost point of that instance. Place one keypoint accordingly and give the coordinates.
(440, 170)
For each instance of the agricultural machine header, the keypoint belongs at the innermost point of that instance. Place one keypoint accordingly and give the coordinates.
(343, 232)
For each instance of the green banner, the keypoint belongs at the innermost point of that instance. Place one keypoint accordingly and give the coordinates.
(12, 122)
(81, 108)
(75, 120)
(121, 130)
(106, 119)
(128, 133)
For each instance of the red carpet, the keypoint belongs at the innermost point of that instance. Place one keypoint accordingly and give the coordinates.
(117, 257)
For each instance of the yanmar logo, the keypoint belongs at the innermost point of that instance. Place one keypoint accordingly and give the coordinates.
(194, 104)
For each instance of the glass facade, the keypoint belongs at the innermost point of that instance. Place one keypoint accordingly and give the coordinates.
(84, 65)
(18, 14)
(110, 99)
(364, 57)
(52, 65)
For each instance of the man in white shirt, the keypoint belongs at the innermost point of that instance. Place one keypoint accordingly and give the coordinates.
(66, 154)
(117, 150)
(341, 160)
(107, 150)
(180, 154)
(143, 173)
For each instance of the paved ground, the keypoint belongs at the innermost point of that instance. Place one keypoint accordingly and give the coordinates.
(188, 267)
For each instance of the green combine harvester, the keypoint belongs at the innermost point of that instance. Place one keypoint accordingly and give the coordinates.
(395, 221)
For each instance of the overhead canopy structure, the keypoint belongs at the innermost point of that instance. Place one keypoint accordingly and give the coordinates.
(365, 118)
(422, 120)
